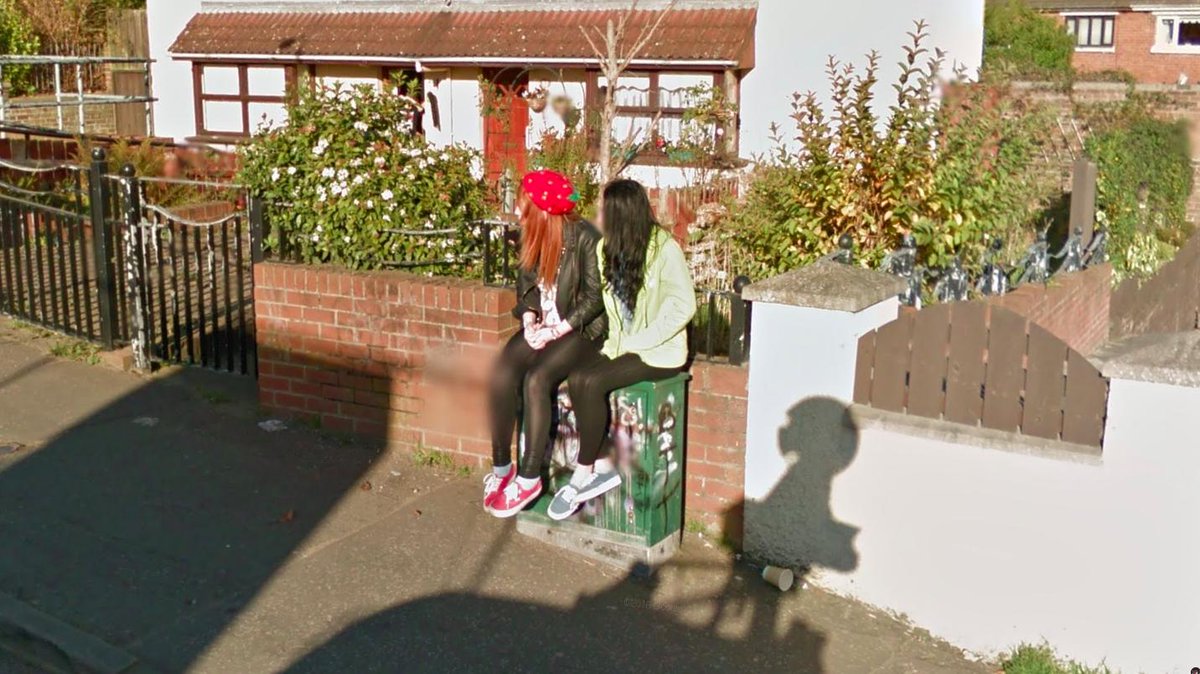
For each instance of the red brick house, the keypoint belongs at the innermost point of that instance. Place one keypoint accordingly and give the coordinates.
(1156, 42)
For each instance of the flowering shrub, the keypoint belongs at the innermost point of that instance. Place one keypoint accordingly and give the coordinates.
(347, 181)
(953, 166)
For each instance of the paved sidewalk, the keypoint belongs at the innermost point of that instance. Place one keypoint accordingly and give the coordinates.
(156, 515)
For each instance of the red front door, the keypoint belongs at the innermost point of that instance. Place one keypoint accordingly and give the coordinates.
(506, 118)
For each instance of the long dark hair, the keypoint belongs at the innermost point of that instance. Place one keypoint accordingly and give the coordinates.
(628, 226)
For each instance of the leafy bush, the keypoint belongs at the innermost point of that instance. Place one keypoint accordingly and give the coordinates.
(952, 173)
(1029, 659)
(353, 185)
(18, 39)
(1144, 171)
(568, 154)
(1018, 41)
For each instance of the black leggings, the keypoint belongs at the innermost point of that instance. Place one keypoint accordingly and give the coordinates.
(531, 378)
(589, 386)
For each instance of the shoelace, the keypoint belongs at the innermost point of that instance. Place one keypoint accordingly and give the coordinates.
(491, 482)
(569, 493)
(512, 490)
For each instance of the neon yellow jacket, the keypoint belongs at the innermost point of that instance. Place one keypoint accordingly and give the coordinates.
(665, 307)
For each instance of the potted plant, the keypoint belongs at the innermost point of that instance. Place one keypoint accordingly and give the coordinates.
(536, 99)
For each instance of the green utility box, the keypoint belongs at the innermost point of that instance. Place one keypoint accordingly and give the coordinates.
(640, 521)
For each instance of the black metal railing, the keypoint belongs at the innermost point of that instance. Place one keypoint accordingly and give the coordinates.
(491, 250)
(47, 272)
(86, 253)
(720, 330)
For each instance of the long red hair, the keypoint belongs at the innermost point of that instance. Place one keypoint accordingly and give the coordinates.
(541, 239)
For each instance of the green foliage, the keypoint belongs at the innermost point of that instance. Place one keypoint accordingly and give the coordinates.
(1028, 659)
(1018, 41)
(77, 350)
(432, 458)
(348, 182)
(1144, 180)
(17, 39)
(701, 138)
(953, 172)
(568, 154)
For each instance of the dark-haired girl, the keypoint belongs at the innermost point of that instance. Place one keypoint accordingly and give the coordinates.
(649, 301)
(563, 322)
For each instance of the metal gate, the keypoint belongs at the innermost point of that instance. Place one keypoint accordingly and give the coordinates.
(92, 255)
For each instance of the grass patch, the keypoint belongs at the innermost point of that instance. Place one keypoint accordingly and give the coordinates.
(696, 527)
(213, 397)
(464, 471)
(1030, 659)
(432, 458)
(78, 350)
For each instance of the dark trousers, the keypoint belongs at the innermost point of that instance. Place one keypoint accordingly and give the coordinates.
(589, 385)
(530, 379)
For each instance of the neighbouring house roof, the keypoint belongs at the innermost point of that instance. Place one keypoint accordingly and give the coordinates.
(697, 35)
(1107, 5)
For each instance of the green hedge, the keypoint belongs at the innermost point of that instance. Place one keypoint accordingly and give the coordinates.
(1144, 171)
(1018, 41)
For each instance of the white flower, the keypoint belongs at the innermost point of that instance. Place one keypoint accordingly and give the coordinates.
(327, 172)
(316, 238)
(346, 238)
(361, 127)
(370, 204)
(358, 179)
(319, 229)
(356, 202)
(319, 150)
(387, 218)
(342, 174)
(387, 195)
(380, 161)
(274, 174)
(422, 164)
(291, 170)
(445, 156)
(356, 163)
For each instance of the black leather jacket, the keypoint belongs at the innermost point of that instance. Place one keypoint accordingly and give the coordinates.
(579, 301)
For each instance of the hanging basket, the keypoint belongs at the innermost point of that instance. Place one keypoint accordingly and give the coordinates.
(537, 100)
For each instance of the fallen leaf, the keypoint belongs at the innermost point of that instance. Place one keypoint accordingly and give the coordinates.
(287, 517)
(365, 486)
(11, 448)
(416, 513)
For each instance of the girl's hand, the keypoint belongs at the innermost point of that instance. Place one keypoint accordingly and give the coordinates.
(546, 335)
(531, 328)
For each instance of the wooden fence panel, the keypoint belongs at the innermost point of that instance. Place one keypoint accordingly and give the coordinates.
(965, 373)
(927, 372)
(865, 368)
(1045, 385)
(979, 364)
(889, 381)
(1086, 402)
(1005, 367)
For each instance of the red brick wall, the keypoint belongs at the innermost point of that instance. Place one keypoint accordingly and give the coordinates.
(1073, 307)
(402, 357)
(1133, 39)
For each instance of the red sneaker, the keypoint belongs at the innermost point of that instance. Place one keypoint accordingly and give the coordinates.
(493, 484)
(513, 499)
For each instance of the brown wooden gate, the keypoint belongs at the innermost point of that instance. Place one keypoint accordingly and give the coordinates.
(981, 365)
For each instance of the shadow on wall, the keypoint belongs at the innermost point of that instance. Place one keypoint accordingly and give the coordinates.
(793, 526)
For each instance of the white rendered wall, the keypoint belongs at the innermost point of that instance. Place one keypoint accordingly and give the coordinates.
(171, 81)
(984, 547)
(799, 353)
(989, 549)
(794, 39)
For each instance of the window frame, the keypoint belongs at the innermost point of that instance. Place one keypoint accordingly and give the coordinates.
(652, 156)
(1170, 45)
(243, 97)
(1071, 22)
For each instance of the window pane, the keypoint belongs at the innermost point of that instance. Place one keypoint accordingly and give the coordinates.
(1189, 33)
(265, 81)
(672, 88)
(1108, 31)
(260, 113)
(223, 117)
(220, 80)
